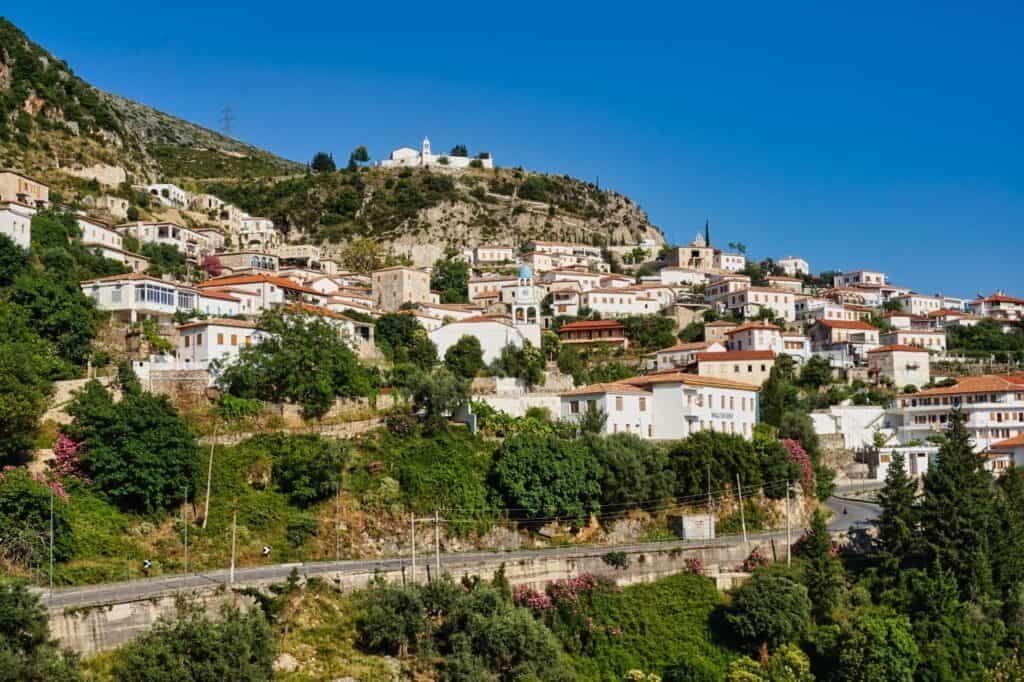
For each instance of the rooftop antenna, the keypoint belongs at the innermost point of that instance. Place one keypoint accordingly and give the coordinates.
(226, 118)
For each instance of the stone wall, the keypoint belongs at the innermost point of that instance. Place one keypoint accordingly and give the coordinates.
(186, 388)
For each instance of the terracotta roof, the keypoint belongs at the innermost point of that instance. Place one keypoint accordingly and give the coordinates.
(898, 347)
(728, 356)
(464, 307)
(503, 278)
(1010, 443)
(946, 312)
(135, 276)
(220, 322)
(696, 345)
(676, 377)
(845, 324)
(986, 383)
(1000, 298)
(316, 310)
(612, 290)
(219, 282)
(478, 319)
(607, 388)
(567, 271)
(752, 325)
(400, 267)
(783, 278)
(216, 293)
(769, 290)
(722, 323)
(591, 324)
(914, 331)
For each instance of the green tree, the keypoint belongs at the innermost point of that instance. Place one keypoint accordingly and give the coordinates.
(957, 510)
(394, 332)
(27, 653)
(307, 468)
(138, 452)
(451, 277)
(525, 363)
(769, 610)
(392, 620)
(544, 476)
(13, 260)
(816, 372)
(459, 150)
(363, 255)
(323, 163)
(359, 155)
(879, 648)
(237, 647)
(164, 259)
(649, 332)
(59, 311)
(822, 570)
(719, 455)
(1008, 562)
(550, 346)
(25, 520)
(465, 357)
(779, 394)
(569, 362)
(437, 394)
(636, 472)
(26, 365)
(421, 352)
(303, 359)
(897, 523)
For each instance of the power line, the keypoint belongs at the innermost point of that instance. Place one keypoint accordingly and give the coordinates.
(226, 119)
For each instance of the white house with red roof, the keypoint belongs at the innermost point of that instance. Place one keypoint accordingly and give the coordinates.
(992, 404)
(746, 366)
(621, 302)
(751, 301)
(135, 297)
(850, 341)
(272, 291)
(918, 304)
(683, 355)
(856, 277)
(1010, 450)
(216, 339)
(928, 339)
(998, 306)
(667, 405)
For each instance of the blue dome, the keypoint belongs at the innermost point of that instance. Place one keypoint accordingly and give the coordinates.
(525, 272)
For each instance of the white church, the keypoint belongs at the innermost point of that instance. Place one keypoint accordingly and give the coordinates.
(407, 156)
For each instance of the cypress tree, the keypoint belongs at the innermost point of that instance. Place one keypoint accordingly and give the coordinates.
(897, 525)
(822, 571)
(957, 515)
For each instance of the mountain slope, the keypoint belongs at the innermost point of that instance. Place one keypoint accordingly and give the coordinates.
(51, 119)
(76, 138)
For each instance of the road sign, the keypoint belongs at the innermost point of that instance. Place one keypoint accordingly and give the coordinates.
(147, 564)
(266, 551)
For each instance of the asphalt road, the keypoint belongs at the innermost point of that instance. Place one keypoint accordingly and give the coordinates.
(857, 514)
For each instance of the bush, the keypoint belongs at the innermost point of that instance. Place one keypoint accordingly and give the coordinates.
(25, 519)
(307, 468)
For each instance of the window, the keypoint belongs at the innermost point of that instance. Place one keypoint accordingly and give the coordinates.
(643, 404)
(115, 295)
(187, 340)
(618, 403)
(220, 339)
(234, 340)
(574, 407)
(199, 339)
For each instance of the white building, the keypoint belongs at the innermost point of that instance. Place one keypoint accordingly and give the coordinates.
(585, 280)
(407, 156)
(258, 233)
(16, 223)
(134, 297)
(754, 336)
(269, 291)
(797, 346)
(731, 262)
(686, 276)
(488, 289)
(454, 312)
(1011, 449)
(720, 286)
(620, 302)
(847, 279)
(683, 355)
(186, 240)
(749, 302)
(902, 365)
(221, 304)
(215, 339)
(668, 406)
(927, 339)
(998, 306)
(493, 254)
(918, 304)
(794, 266)
(993, 405)
(493, 333)
(167, 194)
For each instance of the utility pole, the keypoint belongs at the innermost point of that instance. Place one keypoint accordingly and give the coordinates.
(234, 529)
(437, 544)
(412, 533)
(209, 475)
(711, 520)
(184, 518)
(789, 539)
(337, 519)
(51, 543)
(743, 516)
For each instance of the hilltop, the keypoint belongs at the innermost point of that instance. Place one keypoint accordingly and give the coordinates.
(83, 142)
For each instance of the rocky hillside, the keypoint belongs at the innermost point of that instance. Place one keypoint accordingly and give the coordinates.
(85, 142)
(54, 124)
(420, 212)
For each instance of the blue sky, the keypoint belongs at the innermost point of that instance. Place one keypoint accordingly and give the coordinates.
(884, 136)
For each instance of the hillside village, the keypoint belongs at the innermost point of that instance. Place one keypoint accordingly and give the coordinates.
(730, 320)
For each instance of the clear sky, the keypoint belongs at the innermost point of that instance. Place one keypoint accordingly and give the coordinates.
(872, 135)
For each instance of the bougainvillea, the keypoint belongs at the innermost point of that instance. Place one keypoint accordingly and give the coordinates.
(66, 461)
(799, 455)
(524, 595)
(755, 560)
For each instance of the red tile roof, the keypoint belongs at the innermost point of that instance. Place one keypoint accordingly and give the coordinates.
(607, 388)
(216, 293)
(986, 383)
(677, 377)
(219, 322)
(753, 325)
(1009, 444)
(696, 345)
(219, 282)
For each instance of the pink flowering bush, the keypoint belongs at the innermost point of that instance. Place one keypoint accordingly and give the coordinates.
(799, 455)
(66, 459)
(526, 596)
(755, 560)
